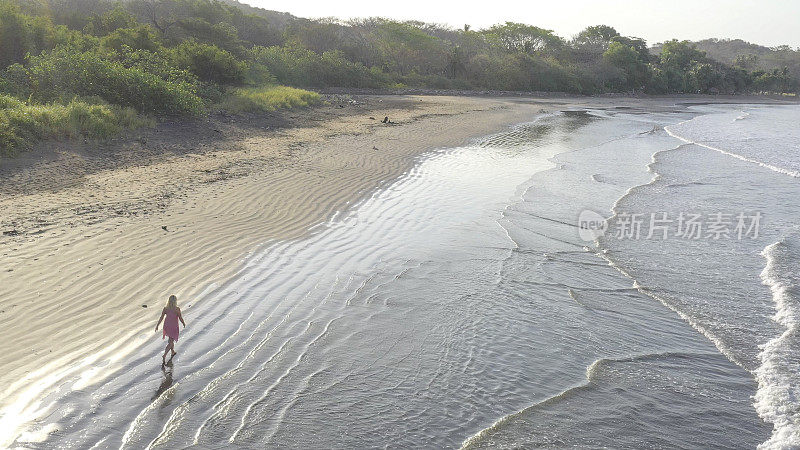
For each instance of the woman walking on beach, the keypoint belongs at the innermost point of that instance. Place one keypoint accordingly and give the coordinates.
(173, 315)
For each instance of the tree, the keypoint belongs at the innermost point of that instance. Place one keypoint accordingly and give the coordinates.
(222, 34)
(639, 45)
(257, 30)
(704, 78)
(518, 37)
(141, 37)
(21, 34)
(657, 82)
(319, 35)
(109, 22)
(680, 55)
(627, 59)
(406, 48)
(747, 62)
(596, 37)
(455, 63)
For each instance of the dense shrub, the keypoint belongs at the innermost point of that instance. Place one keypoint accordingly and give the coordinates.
(77, 41)
(142, 37)
(302, 67)
(63, 72)
(520, 72)
(21, 125)
(221, 35)
(258, 74)
(433, 81)
(158, 64)
(657, 83)
(774, 82)
(109, 21)
(14, 81)
(209, 63)
(21, 34)
(493, 71)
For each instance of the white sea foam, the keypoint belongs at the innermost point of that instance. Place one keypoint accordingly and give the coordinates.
(728, 131)
(791, 173)
(778, 397)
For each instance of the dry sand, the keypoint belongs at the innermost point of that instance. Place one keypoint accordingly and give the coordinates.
(84, 251)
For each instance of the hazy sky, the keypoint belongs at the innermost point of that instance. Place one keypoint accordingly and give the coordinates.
(766, 22)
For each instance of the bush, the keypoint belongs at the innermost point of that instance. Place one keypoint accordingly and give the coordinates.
(333, 69)
(221, 34)
(157, 64)
(64, 72)
(22, 125)
(209, 63)
(301, 67)
(21, 34)
(14, 81)
(109, 21)
(286, 65)
(434, 81)
(775, 82)
(259, 75)
(142, 37)
(268, 99)
(657, 83)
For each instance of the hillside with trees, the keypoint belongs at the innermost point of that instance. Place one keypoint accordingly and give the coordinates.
(752, 57)
(766, 65)
(91, 67)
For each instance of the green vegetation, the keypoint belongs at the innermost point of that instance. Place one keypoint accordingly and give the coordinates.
(182, 57)
(22, 124)
(268, 98)
(62, 71)
(752, 57)
(92, 68)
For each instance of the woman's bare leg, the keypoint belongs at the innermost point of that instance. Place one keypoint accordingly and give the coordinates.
(166, 349)
(171, 347)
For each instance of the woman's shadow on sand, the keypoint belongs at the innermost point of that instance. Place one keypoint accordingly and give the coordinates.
(166, 382)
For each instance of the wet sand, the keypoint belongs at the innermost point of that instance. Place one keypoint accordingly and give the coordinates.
(96, 237)
(93, 244)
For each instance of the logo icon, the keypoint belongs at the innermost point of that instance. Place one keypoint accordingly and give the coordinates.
(591, 225)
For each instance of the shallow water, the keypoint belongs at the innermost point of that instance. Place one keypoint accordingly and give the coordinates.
(459, 306)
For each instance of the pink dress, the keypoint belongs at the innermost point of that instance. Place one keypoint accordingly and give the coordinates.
(171, 324)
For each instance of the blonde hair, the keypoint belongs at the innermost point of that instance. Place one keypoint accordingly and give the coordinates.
(172, 302)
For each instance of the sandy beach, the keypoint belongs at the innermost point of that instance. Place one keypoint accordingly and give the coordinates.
(248, 224)
(95, 238)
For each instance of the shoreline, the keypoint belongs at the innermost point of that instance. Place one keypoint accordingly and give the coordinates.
(553, 95)
(86, 272)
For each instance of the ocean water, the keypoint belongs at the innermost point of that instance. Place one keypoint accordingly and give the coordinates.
(460, 306)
